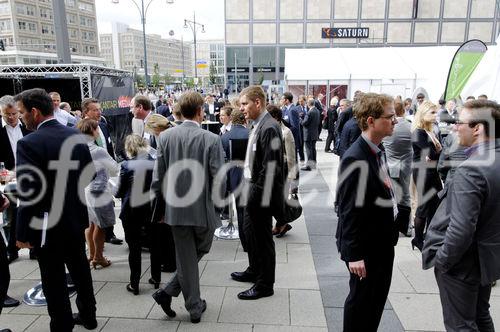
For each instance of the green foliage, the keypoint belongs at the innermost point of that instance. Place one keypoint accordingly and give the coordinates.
(211, 74)
(155, 80)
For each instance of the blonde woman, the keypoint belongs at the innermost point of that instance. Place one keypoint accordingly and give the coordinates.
(156, 123)
(98, 195)
(426, 151)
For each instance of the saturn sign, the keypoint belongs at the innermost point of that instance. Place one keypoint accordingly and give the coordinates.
(345, 32)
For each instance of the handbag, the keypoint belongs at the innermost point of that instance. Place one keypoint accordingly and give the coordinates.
(293, 209)
(100, 183)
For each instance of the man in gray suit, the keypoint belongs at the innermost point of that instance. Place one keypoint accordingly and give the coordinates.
(399, 152)
(311, 134)
(468, 262)
(188, 159)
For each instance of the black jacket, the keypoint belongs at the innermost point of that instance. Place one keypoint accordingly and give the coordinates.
(310, 124)
(367, 228)
(38, 149)
(331, 117)
(109, 144)
(350, 134)
(6, 153)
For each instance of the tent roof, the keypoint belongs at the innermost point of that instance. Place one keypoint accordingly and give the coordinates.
(368, 63)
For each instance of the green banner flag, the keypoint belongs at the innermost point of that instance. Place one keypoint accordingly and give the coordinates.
(464, 62)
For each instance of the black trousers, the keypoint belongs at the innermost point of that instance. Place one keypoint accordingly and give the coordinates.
(69, 251)
(300, 150)
(329, 140)
(465, 303)
(366, 300)
(133, 237)
(258, 224)
(311, 153)
(4, 272)
(162, 249)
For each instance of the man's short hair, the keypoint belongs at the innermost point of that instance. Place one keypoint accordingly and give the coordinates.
(86, 103)
(144, 101)
(302, 97)
(54, 94)
(482, 97)
(275, 112)
(399, 108)
(6, 102)
(310, 102)
(371, 105)
(177, 110)
(347, 102)
(408, 102)
(36, 98)
(237, 117)
(485, 112)
(420, 95)
(288, 96)
(470, 98)
(190, 103)
(254, 92)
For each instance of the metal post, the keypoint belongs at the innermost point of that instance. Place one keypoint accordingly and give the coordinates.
(143, 18)
(182, 52)
(194, 37)
(61, 30)
(235, 73)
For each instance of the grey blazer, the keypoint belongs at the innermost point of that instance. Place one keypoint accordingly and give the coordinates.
(472, 239)
(188, 194)
(310, 124)
(398, 149)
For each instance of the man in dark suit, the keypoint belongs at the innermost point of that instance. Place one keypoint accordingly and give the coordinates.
(366, 231)
(211, 109)
(291, 116)
(350, 134)
(331, 118)
(91, 108)
(468, 262)
(311, 135)
(10, 133)
(52, 217)
(235, 174)
(264, 150)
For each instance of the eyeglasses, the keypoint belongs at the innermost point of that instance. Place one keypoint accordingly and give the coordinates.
(389, 117)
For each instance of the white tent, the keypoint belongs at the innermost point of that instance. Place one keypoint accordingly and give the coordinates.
(393, 70)
(486, 78)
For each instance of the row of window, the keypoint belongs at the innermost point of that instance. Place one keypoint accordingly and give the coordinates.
(47, 29)
(84, 20)
(88, 7)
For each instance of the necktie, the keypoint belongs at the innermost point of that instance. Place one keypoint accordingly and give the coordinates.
(247, 171)
(387, 181)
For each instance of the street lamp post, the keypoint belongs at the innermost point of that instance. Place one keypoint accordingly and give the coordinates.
(194, 26)
(143, 11)
(171, 33)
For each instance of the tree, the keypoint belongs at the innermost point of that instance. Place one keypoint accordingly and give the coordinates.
(211, 74)
(189, 82)
(155, 80)
(140, 80)
(169, 79)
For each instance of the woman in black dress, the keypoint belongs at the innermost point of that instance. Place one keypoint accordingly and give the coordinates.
(426, 150)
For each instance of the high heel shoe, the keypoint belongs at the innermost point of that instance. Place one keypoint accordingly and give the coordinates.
(133, 290)
(104, 262)
(417, 243)
(156, 284)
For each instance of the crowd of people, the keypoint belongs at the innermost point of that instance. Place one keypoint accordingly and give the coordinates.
(412, 168)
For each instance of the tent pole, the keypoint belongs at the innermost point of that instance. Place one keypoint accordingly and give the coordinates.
(349, 86)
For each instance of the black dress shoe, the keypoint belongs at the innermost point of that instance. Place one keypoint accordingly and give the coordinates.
(6, 330)
(254, 293)
(33, 255)
(114, 240)
(9, 302)
(88, 324)
(243, 276)
(155, 283)
(133, 290)
(12, 257)
(306, 168)
(196, 320)
(165, 301)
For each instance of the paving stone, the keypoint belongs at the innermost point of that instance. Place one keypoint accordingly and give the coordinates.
(213, 295)
(287, 276)
(113, 300)
(42, 325)
(203, 326)
(418, 311)
(139, 325)
(276, 328)
(330, 265)
(298, 233)
(22, 267)
(269, 310)
(306, 308)
(423, 281)
(218, 273)
(321, 226)
(222, 250)
(388, 323)
(323, 244)
(16, 322)
(400, 283)
(334, 291)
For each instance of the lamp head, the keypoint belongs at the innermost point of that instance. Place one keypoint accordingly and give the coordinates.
(202, 29)
(115, 1)
(185, 24)
(170, 2)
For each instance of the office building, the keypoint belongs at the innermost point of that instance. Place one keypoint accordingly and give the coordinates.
(210, 62)
(27, 30)
(257, 32)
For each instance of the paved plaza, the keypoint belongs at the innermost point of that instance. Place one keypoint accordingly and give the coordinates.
(311, 282)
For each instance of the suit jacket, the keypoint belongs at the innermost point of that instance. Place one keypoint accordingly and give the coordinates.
(472, 240)
(164, 110)
(190, 144)
(208, 116)
(109, 144)
(331, 118)
(6, 153)
(294, 121)
(134, 172)
(235, 174)
(311, 122)
(365, 229)
(263, 155)
(399, 150)
(38, 149)
(350, 134)
(444, 116)
(343, 118)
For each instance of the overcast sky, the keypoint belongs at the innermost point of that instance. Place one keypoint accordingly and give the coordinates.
(162, 17)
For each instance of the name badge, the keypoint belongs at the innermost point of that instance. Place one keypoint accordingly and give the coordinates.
(147, 136)
(254, 148)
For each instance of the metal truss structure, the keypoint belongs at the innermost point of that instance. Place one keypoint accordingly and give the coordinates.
(82, 72)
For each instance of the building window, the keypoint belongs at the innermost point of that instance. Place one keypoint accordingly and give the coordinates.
(23, 9)
(5, 25)
(85, 6)
(86, 21)
(71, 18)
(4, 8)
(46, 13)
(88, 35)
(73, 33)
(70, 3)
(47, 29)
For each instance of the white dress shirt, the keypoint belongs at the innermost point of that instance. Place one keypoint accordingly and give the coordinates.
(15, 134)
(64, 117)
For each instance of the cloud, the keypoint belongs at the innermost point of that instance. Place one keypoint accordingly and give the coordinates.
(162, 17)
